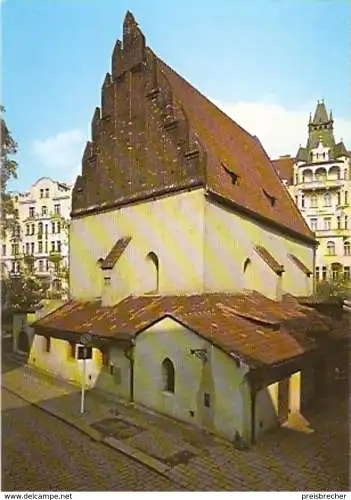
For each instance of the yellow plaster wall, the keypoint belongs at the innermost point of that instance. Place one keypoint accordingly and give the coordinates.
(230, 239)
(59, 362)
(219, 377)
(172, 227)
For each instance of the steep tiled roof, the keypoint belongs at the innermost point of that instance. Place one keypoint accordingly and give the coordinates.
(300, 265)
(269, 259)
(226, 143)
(249, 325)
(115, 253)
(284, 167)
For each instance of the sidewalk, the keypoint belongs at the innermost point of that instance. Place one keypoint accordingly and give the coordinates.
(284, 460)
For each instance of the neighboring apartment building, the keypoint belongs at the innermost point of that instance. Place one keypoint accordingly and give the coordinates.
(40, 239)
(184, 246)
(319, 181)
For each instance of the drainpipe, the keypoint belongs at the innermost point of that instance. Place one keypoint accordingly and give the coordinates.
(129, 354)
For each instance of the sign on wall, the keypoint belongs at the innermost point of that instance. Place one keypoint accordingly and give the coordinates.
(84, 352)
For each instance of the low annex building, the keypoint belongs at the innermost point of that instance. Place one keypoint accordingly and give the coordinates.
(186, 254)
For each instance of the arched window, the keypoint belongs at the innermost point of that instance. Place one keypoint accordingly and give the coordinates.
(331, 248)
(347, 246)
(307, 175)
(334, 173)
(321, 175)
(154, 279)
(168, 375)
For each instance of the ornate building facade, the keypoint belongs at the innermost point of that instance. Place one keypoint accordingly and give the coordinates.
(39, 241)
(319, 182)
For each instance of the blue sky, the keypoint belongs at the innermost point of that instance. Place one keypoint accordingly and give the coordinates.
(265, 62)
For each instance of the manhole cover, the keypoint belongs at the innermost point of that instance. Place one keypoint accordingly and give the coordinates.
(114, 427)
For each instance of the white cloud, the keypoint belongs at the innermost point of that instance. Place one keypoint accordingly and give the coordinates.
(280, 131)
(61, 154)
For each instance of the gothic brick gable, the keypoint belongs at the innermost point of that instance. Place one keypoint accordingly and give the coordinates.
(141, 142)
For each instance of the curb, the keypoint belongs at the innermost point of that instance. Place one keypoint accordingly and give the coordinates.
(116, 444)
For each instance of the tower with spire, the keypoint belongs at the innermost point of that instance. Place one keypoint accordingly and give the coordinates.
(321, 143)
(320, 186)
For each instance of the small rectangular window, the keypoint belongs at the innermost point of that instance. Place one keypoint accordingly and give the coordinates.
(207, 400)
(41, 266)
(44, 211)
(317, 273)
(346, 198)
(3, 250)
(40, 247)
(107, 281)
(346, 222)
(72, 350)
(31, 211)
(57, 209)
(47, 344)
(324, 273)
(347, 274)
(32, 248)
(46, 193)
(42, 193)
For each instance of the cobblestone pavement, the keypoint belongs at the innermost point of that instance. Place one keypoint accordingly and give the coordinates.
(40, 453)
(284, 460)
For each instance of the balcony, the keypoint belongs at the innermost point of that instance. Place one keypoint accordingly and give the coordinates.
(332, 233)
(320, 184)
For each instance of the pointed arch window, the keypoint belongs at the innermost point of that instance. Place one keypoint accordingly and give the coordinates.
(168, 375)
(246, 264)
(153, 261)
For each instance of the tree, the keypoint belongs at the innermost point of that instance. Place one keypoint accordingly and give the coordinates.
(337, 288)
(22, 293)
(8, 172)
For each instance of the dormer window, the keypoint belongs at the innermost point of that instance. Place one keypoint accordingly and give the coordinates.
(234, 177)
(272, 199)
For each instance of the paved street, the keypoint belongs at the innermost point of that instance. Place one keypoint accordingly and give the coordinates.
(40, 452)
(284, 460)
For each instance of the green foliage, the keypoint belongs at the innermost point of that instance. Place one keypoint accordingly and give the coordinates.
(22, 293)
(8, 172)
(334, 288)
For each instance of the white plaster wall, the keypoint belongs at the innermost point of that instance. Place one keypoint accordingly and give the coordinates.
(230, 239)
(172, 227)
(118, 383)
(219, 377)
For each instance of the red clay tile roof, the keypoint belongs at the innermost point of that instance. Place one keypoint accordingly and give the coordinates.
(227, 143)
(285, 168)
(269, 259)
(115, 253)
(249, 325)
(300, 264)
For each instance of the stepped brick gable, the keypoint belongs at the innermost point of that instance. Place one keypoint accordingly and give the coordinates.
(155, 133)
